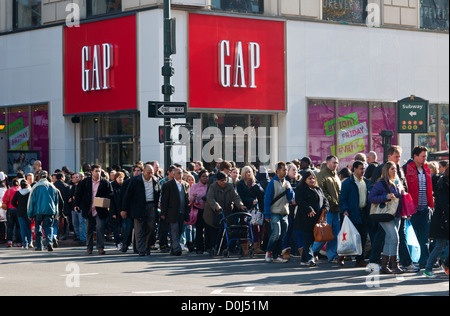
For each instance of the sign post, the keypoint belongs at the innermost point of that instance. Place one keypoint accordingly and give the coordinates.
(412, 116)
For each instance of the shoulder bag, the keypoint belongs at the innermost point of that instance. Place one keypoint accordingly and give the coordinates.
(384, 212)
(323, 231)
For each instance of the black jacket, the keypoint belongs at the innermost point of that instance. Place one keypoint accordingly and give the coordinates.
(65, 193)
(116, 199)
(83, 197)
(20, 202)
(133, 201)
(170, 201)
(308, 200)
(439, 221)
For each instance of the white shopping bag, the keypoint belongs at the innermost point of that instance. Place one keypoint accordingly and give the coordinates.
(349, 240)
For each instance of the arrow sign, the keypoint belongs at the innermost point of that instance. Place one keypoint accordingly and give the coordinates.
(412, 113)
(167, 109)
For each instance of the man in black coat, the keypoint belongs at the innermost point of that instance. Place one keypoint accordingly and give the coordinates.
(175, 208)
(141, 203)
(65, 193)
(90, 187)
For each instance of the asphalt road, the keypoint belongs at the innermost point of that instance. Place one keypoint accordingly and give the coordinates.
(68, 271)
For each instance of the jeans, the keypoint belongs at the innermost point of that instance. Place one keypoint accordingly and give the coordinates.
(439, 246)
(44, 222)
(25, 231)
(279, 226)
(334, 220)
(79, 226)
(175, 234)
(391, 242)
(421, 223)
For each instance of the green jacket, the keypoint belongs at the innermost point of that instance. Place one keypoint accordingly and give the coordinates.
(330, 184)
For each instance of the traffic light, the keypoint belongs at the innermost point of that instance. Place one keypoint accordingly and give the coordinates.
(162, 133)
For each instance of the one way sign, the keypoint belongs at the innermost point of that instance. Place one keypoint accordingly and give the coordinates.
(167, 109)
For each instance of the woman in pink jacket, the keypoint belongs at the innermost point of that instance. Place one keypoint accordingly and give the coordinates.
(197, 196)
(13, 227)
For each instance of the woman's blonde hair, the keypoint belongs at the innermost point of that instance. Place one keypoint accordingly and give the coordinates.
(385, 173)
(244, 174)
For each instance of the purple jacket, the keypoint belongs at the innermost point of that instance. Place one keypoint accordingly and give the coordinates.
(378, 194)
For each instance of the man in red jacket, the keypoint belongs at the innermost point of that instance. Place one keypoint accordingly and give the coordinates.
(418, 178)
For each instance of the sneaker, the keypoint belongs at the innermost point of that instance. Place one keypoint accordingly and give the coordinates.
(280, 260)
(310, 263)
(411, 269)
(9, 244)
(269, 257)
(429, 274)
(445, 268)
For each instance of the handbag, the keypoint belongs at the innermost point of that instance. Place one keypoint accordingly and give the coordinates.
(192, 216)
(384, 212)
(323, 231)
(257, 217)
(408, 207)
(5, 205)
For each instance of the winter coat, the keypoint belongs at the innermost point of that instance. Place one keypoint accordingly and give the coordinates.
(379, 194)
(330, 184)
(349, 200)
(83, 197)
(412, 178)
(307, 200)
(45, 199)
(223, 198)
(250, 193)
(439, 220)
(20, 202)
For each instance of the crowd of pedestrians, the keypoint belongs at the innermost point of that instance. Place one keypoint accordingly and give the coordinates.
(181, 210)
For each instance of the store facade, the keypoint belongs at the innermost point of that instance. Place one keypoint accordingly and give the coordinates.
(259, 89)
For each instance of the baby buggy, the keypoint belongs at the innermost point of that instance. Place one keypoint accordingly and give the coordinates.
(235, 227)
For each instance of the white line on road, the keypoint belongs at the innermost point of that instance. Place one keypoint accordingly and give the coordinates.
(81, 274)
(153, 292)
(252, 290)
(372, 291)
(220, 292)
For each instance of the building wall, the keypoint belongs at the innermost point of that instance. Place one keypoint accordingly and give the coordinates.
(31, 73)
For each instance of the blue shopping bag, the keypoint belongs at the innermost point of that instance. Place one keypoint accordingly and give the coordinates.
(412, 242)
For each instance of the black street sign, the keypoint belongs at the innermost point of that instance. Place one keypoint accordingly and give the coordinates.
(412, 115)
(167, 109)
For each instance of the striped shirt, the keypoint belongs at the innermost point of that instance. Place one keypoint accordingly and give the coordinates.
(423, 201)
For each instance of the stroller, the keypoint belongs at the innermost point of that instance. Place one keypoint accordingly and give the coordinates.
(235, 227)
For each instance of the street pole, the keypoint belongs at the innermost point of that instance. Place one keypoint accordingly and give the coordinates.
(168, 72)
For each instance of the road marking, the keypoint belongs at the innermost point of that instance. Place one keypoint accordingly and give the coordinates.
(220, 292)
(251, 290)
(372, 291)
(81, 274)
(153, 292)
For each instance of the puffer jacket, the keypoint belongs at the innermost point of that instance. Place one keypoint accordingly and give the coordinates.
(45, 199)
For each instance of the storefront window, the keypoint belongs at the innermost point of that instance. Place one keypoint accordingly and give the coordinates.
(355, 131)
(99, 7)
(345, 10)
(110, 139)
(26, 13)
(383, 118)
(27, 130)
(429, 140)
(434, 14)
(247, 6)
(443, 126)
(242, 138)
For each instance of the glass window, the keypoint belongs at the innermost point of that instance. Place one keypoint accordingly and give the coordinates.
(443, 126)
(322, 130)
(110, 139)
(345, 10)
(247, 6)
(383, 118)
(26, 13)
(357, 130)
(434, 14)
(39, 131)
(216, 141)
(429, 140)
(99, 7)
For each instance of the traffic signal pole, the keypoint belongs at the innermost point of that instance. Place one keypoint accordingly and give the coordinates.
(168, 72)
